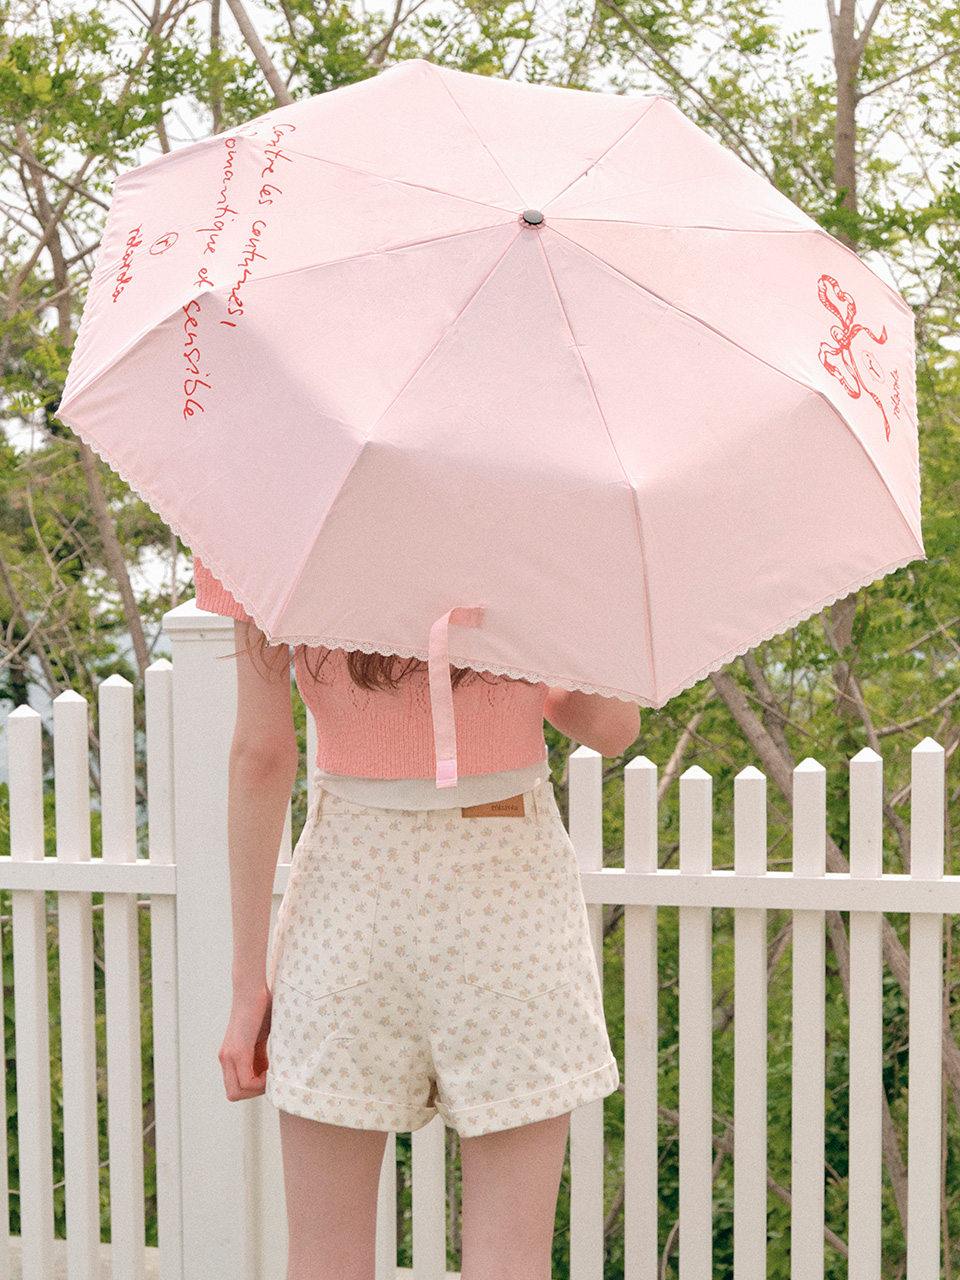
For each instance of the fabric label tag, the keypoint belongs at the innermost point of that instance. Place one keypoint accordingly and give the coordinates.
(510, 808)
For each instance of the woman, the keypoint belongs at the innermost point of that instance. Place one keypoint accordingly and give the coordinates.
(431, 954)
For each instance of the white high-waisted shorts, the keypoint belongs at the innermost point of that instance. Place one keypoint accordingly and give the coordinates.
(425, 962)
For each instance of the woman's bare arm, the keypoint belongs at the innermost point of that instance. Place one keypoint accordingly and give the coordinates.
(263, 769)
(605, 724)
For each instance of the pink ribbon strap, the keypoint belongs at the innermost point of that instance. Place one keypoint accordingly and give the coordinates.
(441, 690)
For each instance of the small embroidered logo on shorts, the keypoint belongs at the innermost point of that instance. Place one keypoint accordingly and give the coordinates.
(510, 808)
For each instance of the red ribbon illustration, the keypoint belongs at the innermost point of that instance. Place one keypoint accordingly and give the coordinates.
(843, 334)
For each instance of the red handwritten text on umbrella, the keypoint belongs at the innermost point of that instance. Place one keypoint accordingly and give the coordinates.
(250, 255)
(124, 276)
(191, 354)
(275, 153)
(223, 205)
(843, 334)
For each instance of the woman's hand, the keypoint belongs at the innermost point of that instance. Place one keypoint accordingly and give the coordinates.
(243, 1054)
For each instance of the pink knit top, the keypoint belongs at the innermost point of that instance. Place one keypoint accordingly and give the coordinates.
(389, 733)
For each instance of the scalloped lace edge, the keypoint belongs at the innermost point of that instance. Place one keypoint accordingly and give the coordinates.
(520, 673)
(512, 673)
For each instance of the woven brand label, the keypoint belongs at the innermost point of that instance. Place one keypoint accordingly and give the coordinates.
(510, 808)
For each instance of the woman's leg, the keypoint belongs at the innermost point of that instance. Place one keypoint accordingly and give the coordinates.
(510, 1184)
(331, 1174)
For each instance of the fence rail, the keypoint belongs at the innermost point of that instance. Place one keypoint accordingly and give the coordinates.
(219, 1187)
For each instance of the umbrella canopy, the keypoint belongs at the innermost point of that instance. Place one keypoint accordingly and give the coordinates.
(437, 340)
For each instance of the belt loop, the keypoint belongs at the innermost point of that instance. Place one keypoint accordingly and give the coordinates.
(536, 803)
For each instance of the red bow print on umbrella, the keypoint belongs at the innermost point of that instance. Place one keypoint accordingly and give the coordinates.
(843, 335)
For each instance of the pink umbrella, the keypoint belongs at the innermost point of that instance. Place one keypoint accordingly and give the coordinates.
(436, 341)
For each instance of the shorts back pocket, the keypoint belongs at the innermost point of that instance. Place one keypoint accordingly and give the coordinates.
(518, 933)
(327, 941)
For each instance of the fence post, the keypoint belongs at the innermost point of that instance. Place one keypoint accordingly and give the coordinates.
(158, 688)
(807, 1120)
(586, 1122)
(926, 1018)
(866, 1024)
(34, 1125)
(221, 1142)
(640, 1049)
(750, 1036)
(696, 1033)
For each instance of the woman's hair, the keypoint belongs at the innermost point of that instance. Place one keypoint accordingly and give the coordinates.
(379, 670)
(371, 671)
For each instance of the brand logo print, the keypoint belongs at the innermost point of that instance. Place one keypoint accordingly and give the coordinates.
(164, 243)
(846, 371)
(874, 366)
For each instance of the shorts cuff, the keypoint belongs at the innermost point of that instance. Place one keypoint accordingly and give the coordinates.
(352, 1113)
(471, 1122)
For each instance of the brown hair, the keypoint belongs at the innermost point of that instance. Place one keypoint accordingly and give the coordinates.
(371, 671)
(378, 670)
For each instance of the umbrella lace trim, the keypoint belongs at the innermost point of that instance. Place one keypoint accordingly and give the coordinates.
(517, 673)
(511, 673)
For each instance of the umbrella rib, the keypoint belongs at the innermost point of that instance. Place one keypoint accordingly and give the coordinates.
(450, 326)
(752, 355)
(473, 129)
(615, 143)
(147, 329)
(682, 311)
(401, 182)
(359, 450)
(648, 622)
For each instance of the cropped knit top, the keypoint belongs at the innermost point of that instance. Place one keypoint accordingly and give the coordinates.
(388, 734)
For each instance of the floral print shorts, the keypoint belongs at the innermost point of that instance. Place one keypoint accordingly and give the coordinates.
(425, 962)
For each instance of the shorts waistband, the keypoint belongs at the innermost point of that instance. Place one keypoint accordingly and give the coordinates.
(536, 804)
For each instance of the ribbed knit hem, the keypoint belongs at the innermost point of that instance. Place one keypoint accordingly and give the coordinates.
(212, 595)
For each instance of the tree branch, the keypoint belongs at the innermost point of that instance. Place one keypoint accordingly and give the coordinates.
(257, 48)
(711, 106)
(49, 173)
(378, 52)
(724, 1145)
(53, 684)
(113, 553)
(861, 41)
(947, 53)
(675, 762)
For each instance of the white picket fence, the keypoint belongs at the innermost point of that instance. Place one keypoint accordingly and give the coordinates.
(220, 1201)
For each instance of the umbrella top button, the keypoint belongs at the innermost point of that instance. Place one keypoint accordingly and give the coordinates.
(532, 217)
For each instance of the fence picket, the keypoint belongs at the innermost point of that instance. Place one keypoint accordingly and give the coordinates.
(429, 1201)
(865, 1003)
(926, 1019)
(121, 944)
(750, 1036)
(586, 1122)
(4, 1172)
(249, 1240)
(386, 1247)
(32, 1018)
(640, 1027)
(807, 1127)
(77, 1010)
(163, 969)
(696, 1034)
